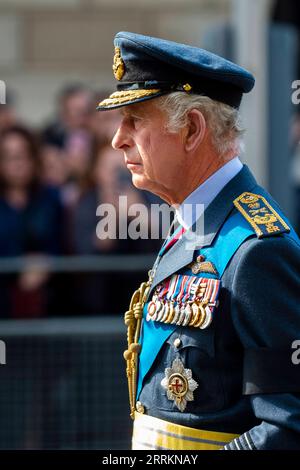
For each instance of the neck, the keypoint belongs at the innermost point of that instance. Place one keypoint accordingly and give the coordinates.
(197, 174)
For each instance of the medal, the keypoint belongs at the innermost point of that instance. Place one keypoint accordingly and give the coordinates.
(157, 307)
(195, 311)
(160, 311)
(151, 310)
(179, 384)
(184, 301)
(208, 319)
(181, 315)
(176, 315)
(171, 313)
(166, 312)
(201, 316)
(188, 313)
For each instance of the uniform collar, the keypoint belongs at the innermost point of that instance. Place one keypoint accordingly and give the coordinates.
(212, 220)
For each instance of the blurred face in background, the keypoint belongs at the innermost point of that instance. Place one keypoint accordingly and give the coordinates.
(17, 165)
(8, 117)
(78, 153)
(109, 168)
(54, 169)
(77, 110)
(105, 124)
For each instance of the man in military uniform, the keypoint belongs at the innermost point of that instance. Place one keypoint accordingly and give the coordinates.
(210, 334)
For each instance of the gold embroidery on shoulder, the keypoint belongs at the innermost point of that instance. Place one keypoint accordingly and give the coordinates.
(260, 215)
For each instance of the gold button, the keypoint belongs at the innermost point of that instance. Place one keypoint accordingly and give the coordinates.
(177, 343)
(140, 408)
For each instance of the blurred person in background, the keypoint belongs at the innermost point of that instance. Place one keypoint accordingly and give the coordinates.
(30, 222)
(75, 109)
(54, 172)
(53, 166)
(78, 150)
(67, 146)
(107, 179)
(8, 115)
(104, 127)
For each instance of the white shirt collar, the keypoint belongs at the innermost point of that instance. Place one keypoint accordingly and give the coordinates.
(196, 202)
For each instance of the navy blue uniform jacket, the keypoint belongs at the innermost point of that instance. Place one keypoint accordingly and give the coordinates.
(248, 384)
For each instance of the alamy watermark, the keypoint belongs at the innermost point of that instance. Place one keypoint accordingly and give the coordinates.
(296, 354)
(2, 353)
(2, 92)
(139, 221)
(296, 94)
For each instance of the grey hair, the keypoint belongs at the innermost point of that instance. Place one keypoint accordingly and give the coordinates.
(223, 121)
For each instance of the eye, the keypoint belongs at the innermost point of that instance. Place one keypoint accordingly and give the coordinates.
(135, 121)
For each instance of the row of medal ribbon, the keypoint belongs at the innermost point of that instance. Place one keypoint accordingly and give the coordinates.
(185, 301)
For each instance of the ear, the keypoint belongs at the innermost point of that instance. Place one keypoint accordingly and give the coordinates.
(195, 131)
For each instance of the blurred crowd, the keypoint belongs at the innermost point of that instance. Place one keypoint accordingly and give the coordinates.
(52, 180)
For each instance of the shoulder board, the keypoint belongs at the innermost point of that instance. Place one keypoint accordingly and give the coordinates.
(260, 215)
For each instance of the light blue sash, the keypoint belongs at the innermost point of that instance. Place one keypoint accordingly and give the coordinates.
(233, 233)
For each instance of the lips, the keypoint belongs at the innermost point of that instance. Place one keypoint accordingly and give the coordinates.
(129, 162)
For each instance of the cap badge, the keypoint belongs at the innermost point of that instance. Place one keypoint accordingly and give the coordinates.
(118, 65)
(187, 87)
(179, 384)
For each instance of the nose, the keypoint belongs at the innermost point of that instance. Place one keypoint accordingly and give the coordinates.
(121, 138)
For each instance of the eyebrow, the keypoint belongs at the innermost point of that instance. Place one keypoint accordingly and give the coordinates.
(131, 112)
(125, 112)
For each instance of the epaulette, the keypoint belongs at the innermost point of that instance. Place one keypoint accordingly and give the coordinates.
(260, 215)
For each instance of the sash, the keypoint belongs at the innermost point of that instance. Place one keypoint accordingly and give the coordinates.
(235, 230)
(233, 233)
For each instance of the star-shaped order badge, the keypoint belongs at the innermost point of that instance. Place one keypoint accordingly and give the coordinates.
(179, 384)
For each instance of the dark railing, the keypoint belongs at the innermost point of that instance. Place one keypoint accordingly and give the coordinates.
(63, 385)
(80, 263)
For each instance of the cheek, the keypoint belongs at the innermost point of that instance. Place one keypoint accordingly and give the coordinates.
(168, 154)
(160, 153)
(145, 150)
(154, 163)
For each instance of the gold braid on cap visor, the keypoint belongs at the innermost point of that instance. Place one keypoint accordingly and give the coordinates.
(119, 97)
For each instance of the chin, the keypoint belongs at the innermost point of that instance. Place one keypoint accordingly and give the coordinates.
(139, 182)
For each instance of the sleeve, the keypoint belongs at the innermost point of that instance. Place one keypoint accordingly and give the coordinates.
(266, 316)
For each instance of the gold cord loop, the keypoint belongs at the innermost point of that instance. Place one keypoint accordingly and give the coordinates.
(133, 320)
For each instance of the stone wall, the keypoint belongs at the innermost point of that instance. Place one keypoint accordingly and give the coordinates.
(47, 43)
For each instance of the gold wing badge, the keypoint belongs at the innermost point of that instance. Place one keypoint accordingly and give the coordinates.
(200, 265)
